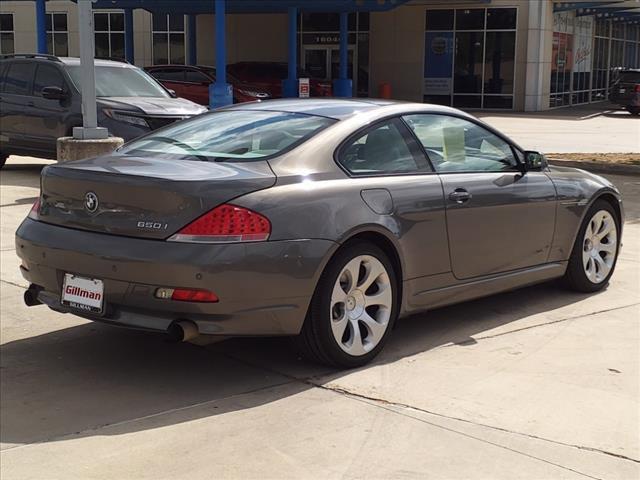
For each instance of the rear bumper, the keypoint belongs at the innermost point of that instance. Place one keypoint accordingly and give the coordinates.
(264, 288)
(632, 100)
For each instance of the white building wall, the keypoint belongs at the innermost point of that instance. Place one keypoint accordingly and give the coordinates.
(24, 14)
(538, 55)
(249, 37)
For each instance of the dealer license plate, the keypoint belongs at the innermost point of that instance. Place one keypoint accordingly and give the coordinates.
(83, 293)
(623, 90)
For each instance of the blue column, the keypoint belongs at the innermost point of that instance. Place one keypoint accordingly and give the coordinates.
(290, 85)
(41, 25)
(342, 85)
(220, 92)
(128, 35)
(193, 51)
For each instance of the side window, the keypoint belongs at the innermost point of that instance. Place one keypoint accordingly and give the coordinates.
(196, 77)
(19, 77)
(47, 76)
(454, 144)
(382, 149)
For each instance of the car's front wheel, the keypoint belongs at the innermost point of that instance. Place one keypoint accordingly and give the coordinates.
(353, 309)
(595, 251)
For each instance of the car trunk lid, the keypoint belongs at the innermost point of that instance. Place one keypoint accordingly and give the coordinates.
(143, 197)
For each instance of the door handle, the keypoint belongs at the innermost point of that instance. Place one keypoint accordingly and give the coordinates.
(460, 195)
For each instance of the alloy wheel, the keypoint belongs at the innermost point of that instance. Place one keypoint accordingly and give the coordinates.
(361, 305)
(599, 246)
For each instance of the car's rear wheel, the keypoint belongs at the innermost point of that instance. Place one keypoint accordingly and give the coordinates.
(634, 110)
(3, 159)
(595, 251)
(353, 309)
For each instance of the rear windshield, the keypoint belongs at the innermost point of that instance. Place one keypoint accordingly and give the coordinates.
(630, 77)
(229, 135)
(120, 81)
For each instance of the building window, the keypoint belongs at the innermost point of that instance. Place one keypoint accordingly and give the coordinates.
(57, 34)
(7, 42)
(470, 57)
(109, 34)
(168, 33)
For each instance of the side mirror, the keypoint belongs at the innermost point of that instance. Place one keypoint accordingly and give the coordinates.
(535, 161)
(53, 93)
(172, 93)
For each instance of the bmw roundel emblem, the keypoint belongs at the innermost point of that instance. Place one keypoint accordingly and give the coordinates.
(91, 202)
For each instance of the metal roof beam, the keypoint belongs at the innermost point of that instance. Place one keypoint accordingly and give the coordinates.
(252, 6)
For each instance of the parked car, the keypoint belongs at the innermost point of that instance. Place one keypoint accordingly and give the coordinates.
(625, 90)
(321, 219)
(269, 76)
(192, 82)
(41, 101)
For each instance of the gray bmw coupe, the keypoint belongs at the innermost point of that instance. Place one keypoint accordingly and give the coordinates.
(321, 219)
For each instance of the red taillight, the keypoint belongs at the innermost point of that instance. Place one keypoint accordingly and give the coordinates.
(35, 210)
(189, 295)
(224, 224)
(637, 88)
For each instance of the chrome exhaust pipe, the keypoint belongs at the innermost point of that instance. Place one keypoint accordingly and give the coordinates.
(31, 296)
(182, 331)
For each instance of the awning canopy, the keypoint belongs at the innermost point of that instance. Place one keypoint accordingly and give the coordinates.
(616, 10)
(252, 6)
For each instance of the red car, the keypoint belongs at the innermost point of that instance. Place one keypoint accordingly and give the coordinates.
(269, 76)
(192, 82)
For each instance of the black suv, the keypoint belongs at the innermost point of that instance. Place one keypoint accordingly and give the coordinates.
(625, 90)
(40, 101)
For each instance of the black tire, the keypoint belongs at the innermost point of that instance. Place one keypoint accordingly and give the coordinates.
(575, 277)
(634, 110)
(3, 159)
(316, 341)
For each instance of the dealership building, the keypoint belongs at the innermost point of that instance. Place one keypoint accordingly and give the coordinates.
(483, 54)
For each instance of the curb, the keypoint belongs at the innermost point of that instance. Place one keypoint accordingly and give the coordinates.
(599, 167)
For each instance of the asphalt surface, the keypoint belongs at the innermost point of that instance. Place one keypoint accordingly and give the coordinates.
(536, 383)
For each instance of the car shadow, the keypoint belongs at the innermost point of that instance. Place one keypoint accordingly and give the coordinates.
(75, 380)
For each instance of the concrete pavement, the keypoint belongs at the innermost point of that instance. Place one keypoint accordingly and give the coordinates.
(595, 128)
(536, 383)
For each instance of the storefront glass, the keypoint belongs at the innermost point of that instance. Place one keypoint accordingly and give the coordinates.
(470, 57)
(600, 61)
(587, 56)
(319, 48)
(572, 59)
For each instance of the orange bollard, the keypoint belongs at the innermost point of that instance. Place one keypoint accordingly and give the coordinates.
(384, 90)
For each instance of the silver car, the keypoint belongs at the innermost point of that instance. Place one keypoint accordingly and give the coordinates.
(325, 220)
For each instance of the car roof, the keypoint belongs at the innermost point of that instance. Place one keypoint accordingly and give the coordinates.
(336, 108)
(97, 62)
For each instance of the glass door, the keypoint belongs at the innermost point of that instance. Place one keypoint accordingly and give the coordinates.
(316, 62)
(323, 63)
